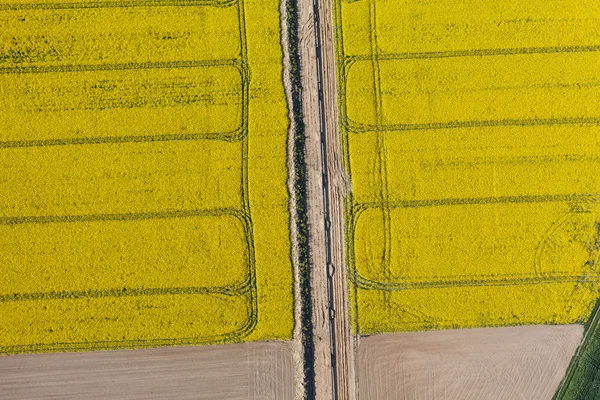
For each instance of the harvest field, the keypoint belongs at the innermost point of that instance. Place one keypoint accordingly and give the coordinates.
(143, 199)
(470, 133)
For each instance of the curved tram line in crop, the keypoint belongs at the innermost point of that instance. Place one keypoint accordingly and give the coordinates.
(379, 129)
(246, 289)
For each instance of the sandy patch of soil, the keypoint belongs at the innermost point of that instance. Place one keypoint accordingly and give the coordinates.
(526, 362)
(262, 370)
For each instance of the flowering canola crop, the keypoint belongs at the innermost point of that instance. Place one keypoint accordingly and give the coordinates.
(143, 196)
(470, 132)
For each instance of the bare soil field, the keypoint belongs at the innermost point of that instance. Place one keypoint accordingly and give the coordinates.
(526, 362)
(261, 370)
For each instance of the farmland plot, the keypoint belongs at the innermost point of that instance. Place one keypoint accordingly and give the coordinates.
(240, 371)
(517, 362)
(143, 191)
(470, 135)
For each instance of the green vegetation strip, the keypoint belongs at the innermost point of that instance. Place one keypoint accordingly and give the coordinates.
(300, 182)
(582, 379)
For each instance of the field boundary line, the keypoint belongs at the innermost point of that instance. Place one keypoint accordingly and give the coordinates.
(125, 292)
(474, 53)
(39, 69)
(235, 135)
(237, 288)
(366, 284)
(241, 215)
(245, 289)
(357, 127)
(577, 198)
(231, 337)
(536, 277)
(248, 289)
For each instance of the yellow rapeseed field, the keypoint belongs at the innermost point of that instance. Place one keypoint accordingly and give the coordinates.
(470, 131)
(143, 197)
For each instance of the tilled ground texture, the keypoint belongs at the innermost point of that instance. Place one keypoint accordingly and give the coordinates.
(261, 370)
(526, 362)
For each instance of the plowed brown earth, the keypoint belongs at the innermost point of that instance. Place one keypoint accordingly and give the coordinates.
(526, 362)
(261, 370)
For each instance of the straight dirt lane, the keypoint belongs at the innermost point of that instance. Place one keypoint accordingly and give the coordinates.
(334, 342)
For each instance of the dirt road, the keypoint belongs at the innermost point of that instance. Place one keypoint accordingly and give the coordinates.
(334, 343)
